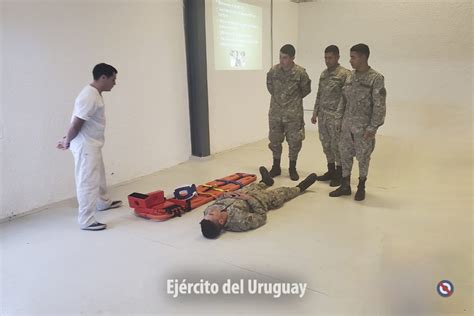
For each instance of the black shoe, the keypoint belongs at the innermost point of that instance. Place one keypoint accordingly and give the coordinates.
(95, 226)
(337, 178)
(344, 189)
(276, 170)
(360, 194)
(293, 173)
(329, 174)
(266, 177)
(115, 204)
(306, 183)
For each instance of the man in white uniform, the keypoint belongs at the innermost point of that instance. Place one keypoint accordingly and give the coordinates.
(85, 138)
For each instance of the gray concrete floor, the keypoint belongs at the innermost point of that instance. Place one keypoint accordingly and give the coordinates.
(382, 256)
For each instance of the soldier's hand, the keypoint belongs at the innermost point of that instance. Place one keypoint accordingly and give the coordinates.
(338, 125)
(229, 195)
(243, 196)
(314, 119)
(369, 135)
(62, 144)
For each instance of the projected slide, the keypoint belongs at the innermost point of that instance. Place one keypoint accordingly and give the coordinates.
(237, 35)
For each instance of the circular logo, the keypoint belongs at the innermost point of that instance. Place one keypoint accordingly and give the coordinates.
(445, 288)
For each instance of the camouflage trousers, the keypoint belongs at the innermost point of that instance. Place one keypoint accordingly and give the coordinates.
(329, 137)
(352, 144)
(271, 199)
(294, 133)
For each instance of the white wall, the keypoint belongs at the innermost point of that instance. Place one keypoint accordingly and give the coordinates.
(423, 48)
(1, 109)
(49, 49)
(285, 27)
(239, 100)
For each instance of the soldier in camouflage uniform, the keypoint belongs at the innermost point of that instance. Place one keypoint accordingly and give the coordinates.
(247, 208)
(288, 84)
(329, 94)
(362, 112)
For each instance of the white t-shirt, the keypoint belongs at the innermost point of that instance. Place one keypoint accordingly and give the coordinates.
(89, 106)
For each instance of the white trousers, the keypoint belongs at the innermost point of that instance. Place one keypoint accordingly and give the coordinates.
(91, 186)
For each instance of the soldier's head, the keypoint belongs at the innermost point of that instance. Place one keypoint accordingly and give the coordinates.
(359, 56)
(331, 56)
(210, 229)
(287, 56)
(214, 220)
(104, 76)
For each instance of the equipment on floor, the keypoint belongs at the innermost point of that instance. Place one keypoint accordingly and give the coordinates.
(186, 192)
(156, 207)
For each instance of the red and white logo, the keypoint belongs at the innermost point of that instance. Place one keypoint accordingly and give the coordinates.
(445, 288)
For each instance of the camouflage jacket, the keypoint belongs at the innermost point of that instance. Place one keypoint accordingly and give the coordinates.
(243, 215)
(288, 88)
(362, 105)
(330, 90)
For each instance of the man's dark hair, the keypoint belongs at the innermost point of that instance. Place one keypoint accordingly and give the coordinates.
(361, 49)
(103, 69)
(288, 49)
(332, 49)
(210, 229)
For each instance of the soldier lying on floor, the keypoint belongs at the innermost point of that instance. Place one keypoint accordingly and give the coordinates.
(247, 208)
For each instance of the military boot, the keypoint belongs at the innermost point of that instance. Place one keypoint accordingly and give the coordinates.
(329, 174)
(306, 183)
(276, 170)
(266, 177)
(293, 174)
(336, 180)
(360, 194)
(344, 189)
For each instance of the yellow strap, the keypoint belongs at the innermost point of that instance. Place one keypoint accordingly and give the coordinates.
(214, 188)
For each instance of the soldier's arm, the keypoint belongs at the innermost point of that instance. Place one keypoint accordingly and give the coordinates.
(255, 206)
(318, 99)
(248, 221)
(270, 81)
(305, 84)
(378, 112)
(341, 108)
